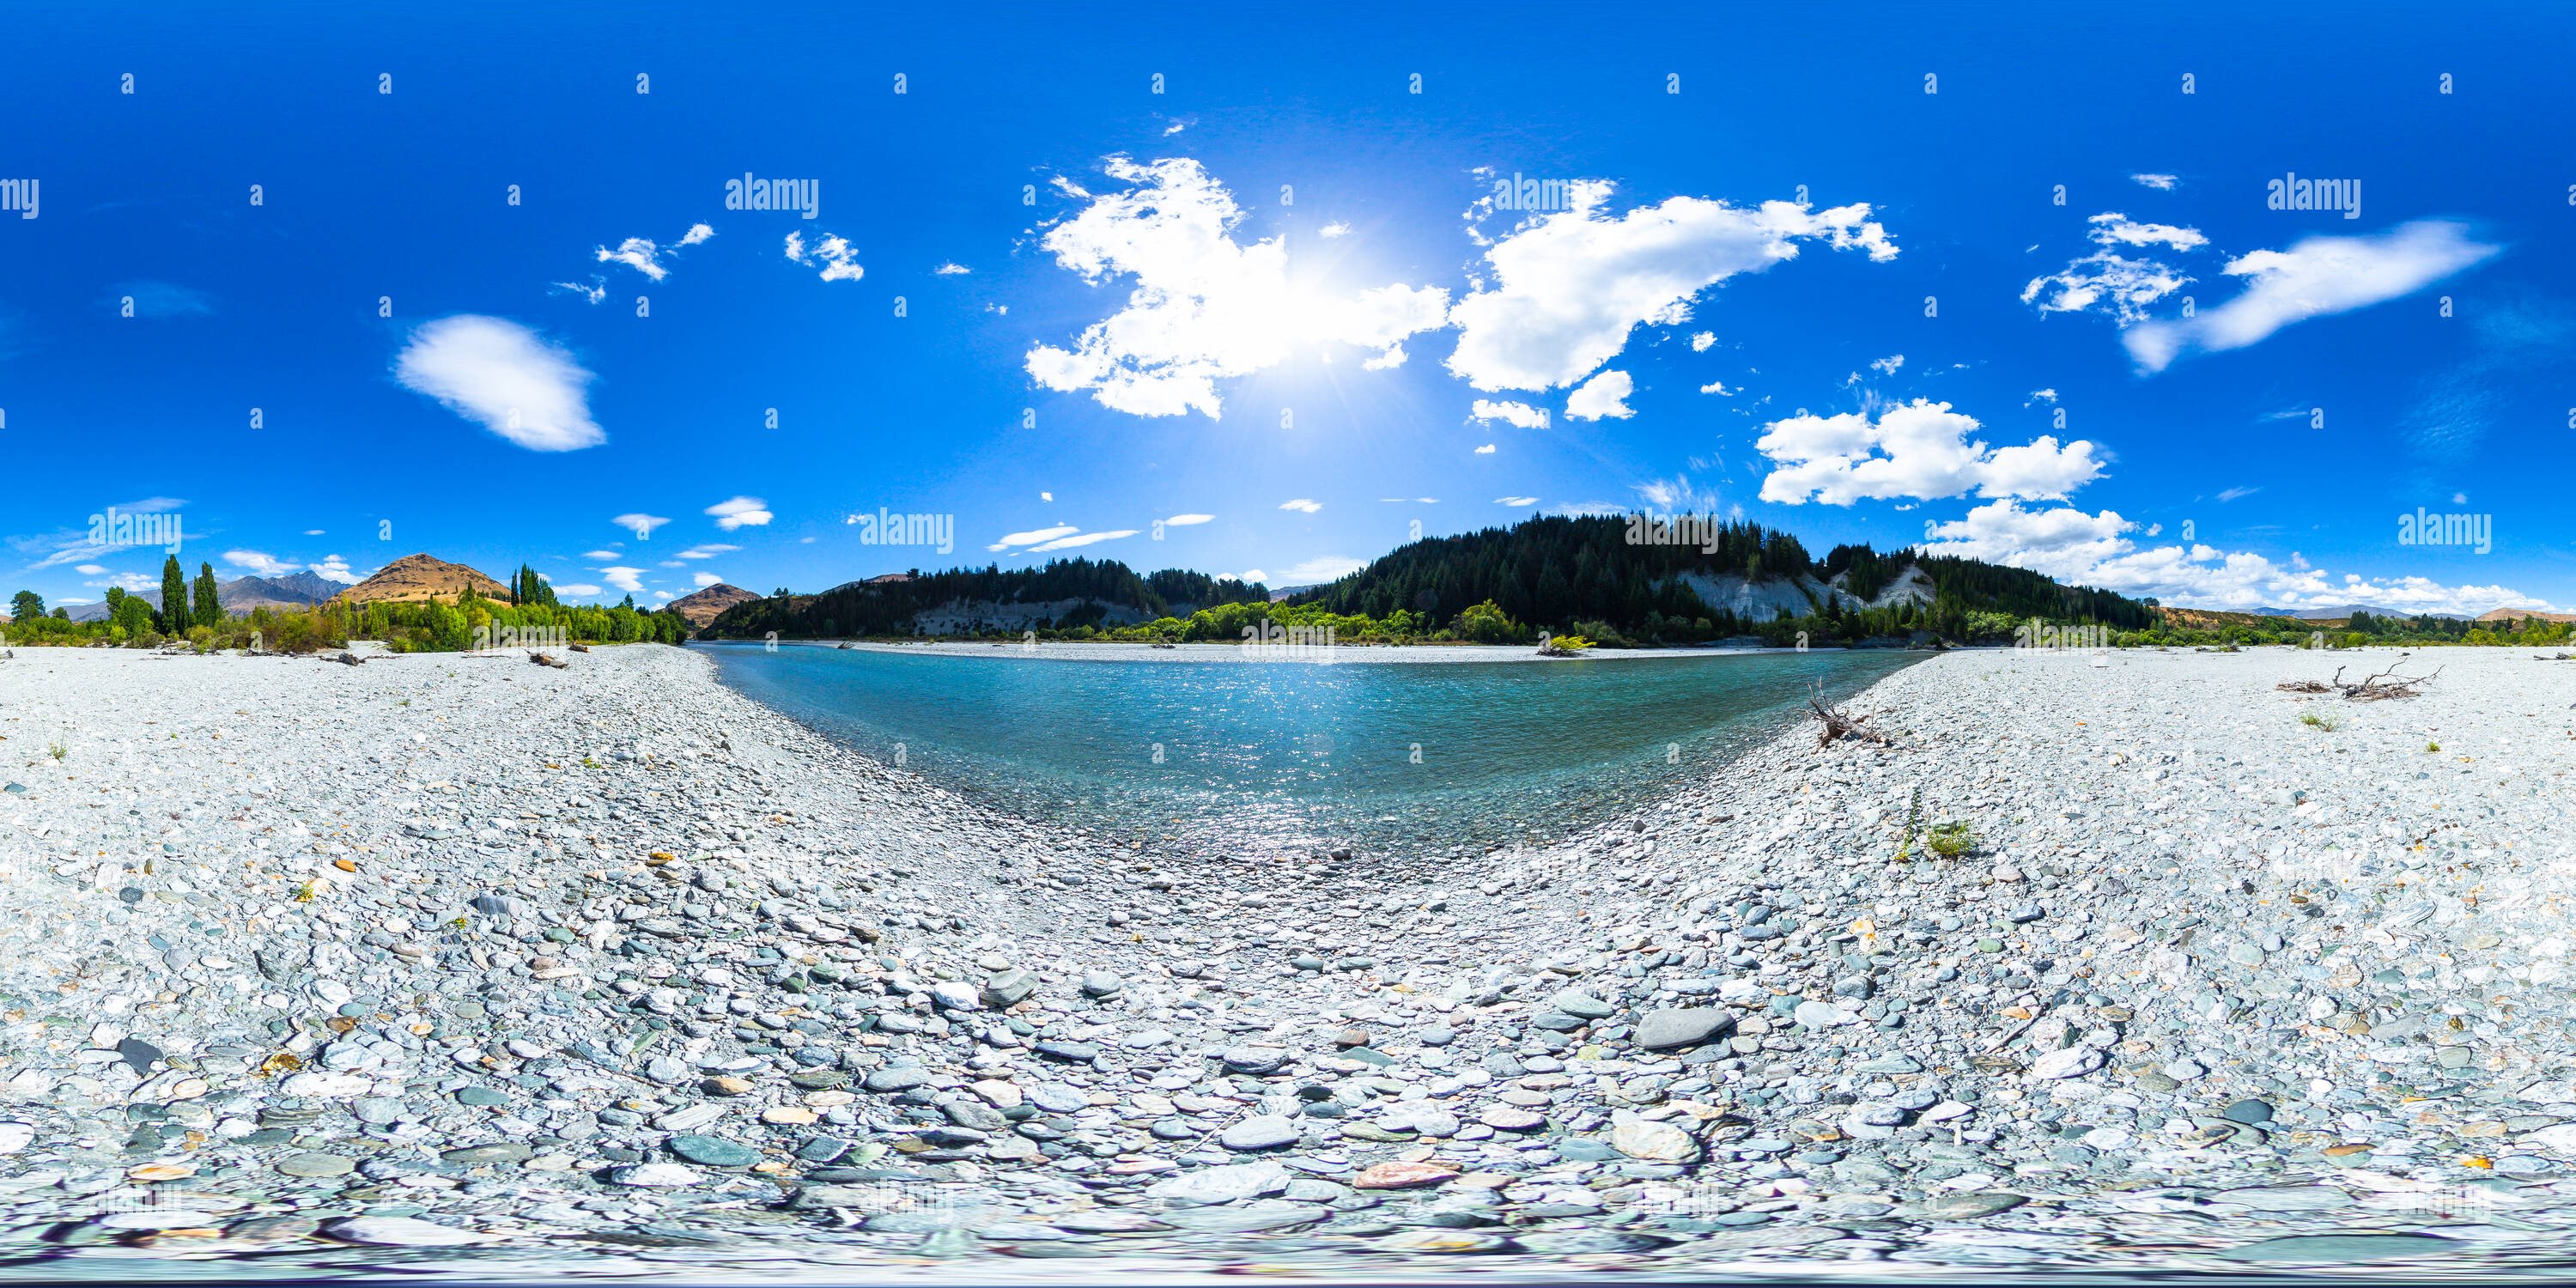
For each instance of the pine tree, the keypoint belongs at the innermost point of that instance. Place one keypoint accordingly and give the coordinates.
(209, 605)
(27, 606)
(174, 597)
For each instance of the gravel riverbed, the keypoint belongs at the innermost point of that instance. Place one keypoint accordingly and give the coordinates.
(460, 963)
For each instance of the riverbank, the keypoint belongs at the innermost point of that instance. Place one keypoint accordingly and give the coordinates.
(610, 966)
(1313, 652)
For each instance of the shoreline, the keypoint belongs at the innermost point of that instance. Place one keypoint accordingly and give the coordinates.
(504, 947)
(1278, 655)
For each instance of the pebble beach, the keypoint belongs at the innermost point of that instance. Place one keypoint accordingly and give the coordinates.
(454, 962)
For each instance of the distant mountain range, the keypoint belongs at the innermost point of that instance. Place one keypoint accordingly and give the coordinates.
(2401, 614)
(294, 590)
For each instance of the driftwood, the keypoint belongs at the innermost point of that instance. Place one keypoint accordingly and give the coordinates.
(348, 658)
(544, 660)
(1840, 725)
(2375, 688)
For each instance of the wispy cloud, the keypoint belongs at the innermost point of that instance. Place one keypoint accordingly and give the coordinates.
(495, 371)
(740, 512)
(641, 525)
(1302, 506)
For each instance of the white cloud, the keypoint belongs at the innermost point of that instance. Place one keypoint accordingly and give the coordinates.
(1032, 538)
(1486, 450)
(642, 255)
(602, 556)
(1322, 568)
(1205, 307)
(2159, 182)
(1516, 501)
(500, 373)
(740, 512)
(1920, 451)
(2236, 492)
(623, 578)
(596, 291)
(670, 563)
(1887, 366)
(1186, 520)
(1334, 229)
(1251, 576)
(1701, 342)
(1717, 387)
(1571, 286)
(641, 525)
(708, 551)
(705, 579)
(313, 532)
(839, 259)
(2041, 395)
(951, 269)
(2316, 277)
(334, 568)
(2109, 282)
(637, 253)
(1603, 395)
(91, 570)
(1068, 543)
(2112, 228)
(1301, 505)
(1518, 413)
(260, 565)
(578, 590)
(1676, 493)
(2094, 550)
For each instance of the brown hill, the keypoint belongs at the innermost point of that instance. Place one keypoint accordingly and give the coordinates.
(704, 606)
(2201, 619)
(414, 578)
(2517, 614)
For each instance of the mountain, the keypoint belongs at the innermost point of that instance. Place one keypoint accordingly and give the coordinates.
(414, 578)
(2517, 614)
(1065, 593)
(707, 605)
(2345, 612)
(240, 595)
(294, 590)
(1683, 578)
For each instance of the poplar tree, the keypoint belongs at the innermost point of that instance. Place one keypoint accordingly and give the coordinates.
(174, 597)
(209, 605)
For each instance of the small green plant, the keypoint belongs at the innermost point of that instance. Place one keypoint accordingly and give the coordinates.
(2315, 721)
(1913, 816)
(57, 750)
(1951, 840)
(306, 892)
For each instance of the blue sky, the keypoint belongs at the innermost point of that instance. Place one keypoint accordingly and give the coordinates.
(1276, 306)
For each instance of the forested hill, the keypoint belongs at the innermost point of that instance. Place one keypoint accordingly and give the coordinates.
(1561, 571)
(1582, 576)
(1063, 593)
